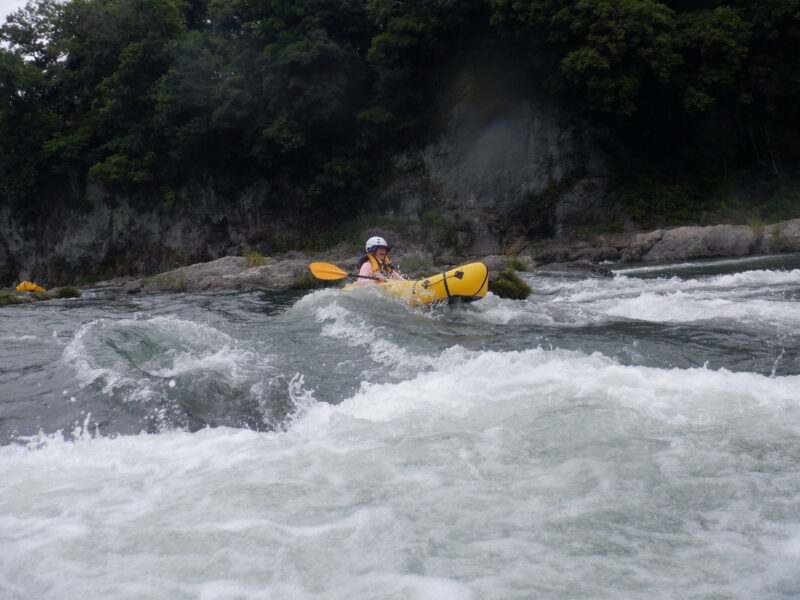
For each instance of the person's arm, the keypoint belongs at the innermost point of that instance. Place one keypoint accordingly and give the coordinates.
(365, 271)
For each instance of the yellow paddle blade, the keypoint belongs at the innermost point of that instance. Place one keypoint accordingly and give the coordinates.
(326, 271)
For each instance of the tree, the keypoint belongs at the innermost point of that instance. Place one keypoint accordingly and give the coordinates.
(609, 52)
(714, 46)
(25, 122)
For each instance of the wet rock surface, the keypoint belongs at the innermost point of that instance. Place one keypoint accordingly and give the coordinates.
(556, 258)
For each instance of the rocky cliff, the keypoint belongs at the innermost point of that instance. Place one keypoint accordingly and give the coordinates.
(513, 177)
(496, 176)
(113, 234)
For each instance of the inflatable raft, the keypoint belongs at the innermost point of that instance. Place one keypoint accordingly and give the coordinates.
(29, 286)
(462, 284)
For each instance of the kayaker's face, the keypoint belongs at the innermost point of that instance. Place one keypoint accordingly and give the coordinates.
(380, 253)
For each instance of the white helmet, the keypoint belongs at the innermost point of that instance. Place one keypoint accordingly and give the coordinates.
(376, 241)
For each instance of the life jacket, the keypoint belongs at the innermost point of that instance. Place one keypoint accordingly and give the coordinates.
(386, 267)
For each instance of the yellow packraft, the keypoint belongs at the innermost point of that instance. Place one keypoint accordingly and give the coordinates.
(28, 286)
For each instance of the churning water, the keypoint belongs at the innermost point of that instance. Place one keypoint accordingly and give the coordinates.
(634, 437)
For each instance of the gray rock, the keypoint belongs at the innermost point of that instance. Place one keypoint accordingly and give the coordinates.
(684, 243)
(573, 250)
(132, 287)
(640, 245)
(483, 243)
(414, 264)
(525, 162)
(781, 237)
(141, 234)
(227, 273)
(496, 262)
(702, 242)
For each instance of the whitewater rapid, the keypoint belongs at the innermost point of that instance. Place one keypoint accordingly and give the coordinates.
(613, 438)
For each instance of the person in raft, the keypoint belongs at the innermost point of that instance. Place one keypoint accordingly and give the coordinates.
(374, 265)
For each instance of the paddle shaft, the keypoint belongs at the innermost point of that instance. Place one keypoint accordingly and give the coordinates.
(329, 272)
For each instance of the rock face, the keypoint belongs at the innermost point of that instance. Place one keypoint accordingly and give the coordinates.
(134, 234)
(506, 170)
(517, 173)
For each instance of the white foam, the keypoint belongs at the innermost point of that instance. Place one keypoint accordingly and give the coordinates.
(492, 475)
(342, 324)
(716, 263)
(463, 380)
(77, 354)
(228, 360)
(581, 290)
(739, 297)
(178, 348)
(680, 307)
(20, 338)
(498, 311)
(483, 474)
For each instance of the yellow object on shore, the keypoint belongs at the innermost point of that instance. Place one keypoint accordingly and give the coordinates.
(462, 284)
(28, 286)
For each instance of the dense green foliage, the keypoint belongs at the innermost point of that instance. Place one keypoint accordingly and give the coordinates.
(315, 95)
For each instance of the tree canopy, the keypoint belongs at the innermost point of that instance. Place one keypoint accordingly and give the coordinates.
(316, 95)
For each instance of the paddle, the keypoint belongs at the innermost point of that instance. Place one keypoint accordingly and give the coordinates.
(330, 272)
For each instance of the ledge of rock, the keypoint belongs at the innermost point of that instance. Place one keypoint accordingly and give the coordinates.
(227, 273)
(685, 243)
(14, 297)
(556, 258)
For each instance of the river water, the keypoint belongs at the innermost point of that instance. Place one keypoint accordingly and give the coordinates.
(633, 437)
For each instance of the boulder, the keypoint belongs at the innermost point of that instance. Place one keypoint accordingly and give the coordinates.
(496, 262)
(683, 243)
(561, 251)
(703, 242)
(640, 245)
(227, 273)
(781, 237)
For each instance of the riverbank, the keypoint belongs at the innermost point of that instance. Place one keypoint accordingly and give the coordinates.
(577, 257)
(290, 270)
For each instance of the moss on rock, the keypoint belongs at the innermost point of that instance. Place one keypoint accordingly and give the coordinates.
(305, 282)
(255, 259)
(68, 291)
(508, 284)
(7, 298)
